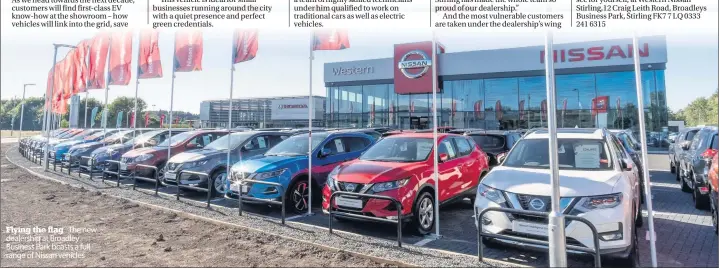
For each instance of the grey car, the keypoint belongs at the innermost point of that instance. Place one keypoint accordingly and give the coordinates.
(212, 159)
(692, 164)
(676, 149)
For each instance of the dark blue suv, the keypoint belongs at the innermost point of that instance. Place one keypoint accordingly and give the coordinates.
(287, 164)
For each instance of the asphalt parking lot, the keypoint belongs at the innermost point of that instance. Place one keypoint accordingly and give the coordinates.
(685, 237)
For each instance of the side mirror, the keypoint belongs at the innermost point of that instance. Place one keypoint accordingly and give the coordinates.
(152, 142)
(686, 145)
(325, 152)
(500, 157)
(627, 165)
(443, 157)
(248, 146)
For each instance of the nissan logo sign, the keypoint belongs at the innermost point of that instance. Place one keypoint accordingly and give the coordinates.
(405, 64)
(537, 204)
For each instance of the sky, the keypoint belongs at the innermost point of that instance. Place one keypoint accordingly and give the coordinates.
(281, 67)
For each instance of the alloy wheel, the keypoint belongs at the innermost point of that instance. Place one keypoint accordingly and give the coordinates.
(219, 182)
(300, 196)
(426, 213)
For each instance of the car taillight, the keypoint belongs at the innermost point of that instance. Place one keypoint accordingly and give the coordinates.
(709, 154)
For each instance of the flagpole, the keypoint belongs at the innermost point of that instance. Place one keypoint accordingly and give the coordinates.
(645, 159)
(46, 112)
(137, 86)
(557, 239)
(229, 134)
(435, 175)
(309, 145)
(172, 96)
(105, 111)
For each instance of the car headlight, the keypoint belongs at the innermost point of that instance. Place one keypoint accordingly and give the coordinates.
(271, 174)
(599, 202)
(390, 185)
(143, 157)
(195, 163)
(491, 194)
(331, 178)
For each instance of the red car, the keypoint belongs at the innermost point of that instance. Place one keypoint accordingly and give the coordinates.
(714, 196)
(401, 167)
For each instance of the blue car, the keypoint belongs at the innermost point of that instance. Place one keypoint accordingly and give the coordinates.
(61, 146)
(287, 164)
(64, 147)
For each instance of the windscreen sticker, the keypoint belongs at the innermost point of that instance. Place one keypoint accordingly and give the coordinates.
(262, 143)
(340, 147)
(205, 139)
(561, 150)
(586, 156)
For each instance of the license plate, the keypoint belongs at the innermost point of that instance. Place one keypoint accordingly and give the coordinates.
(123, 166)
(348, 202)
(530, 228)
(170, 175)
(245, 189)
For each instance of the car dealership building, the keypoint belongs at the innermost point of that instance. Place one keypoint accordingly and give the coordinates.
(500, 89)
(290, 111)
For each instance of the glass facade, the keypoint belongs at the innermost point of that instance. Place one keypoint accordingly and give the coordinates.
(584, 100)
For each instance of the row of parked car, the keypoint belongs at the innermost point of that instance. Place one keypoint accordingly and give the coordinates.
(693, 159)
(600, 174)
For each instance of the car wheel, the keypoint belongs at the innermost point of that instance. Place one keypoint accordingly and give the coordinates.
(672, 168)
(700, 202)
(424, 213)
(641, 193)
(218, 182)
(632, 260)
(297, 196)
(685, 186)
(161, 170)
(715, 219)
(678, 172)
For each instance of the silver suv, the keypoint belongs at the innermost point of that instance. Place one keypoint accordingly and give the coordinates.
(676, 150)
(692, 164)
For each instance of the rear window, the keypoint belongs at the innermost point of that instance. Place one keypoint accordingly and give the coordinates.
(715, 142)
(690, 135)
(490, 142)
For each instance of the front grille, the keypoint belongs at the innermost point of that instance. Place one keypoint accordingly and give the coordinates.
(350, 187)
(535, 203)
(235, 176)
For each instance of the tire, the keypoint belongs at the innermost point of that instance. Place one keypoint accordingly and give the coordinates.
(672, 168)
(423, 213)
(632, 260)
(639, 220)
(217, 178)
(685, 186)
(642, 197)
(715, 219)
(678, 171)
(700, 202)
(297, 196)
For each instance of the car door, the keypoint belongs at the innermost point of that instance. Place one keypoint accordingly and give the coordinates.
(621, 155)
(449, 171)
(323, 165)
(688, 156)
(469, 165)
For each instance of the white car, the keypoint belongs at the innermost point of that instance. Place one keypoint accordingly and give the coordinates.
(598, 182)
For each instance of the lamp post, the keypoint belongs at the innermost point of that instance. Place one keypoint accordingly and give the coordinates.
(22, 106)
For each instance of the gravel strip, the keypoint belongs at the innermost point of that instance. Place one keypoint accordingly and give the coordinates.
(374, 247)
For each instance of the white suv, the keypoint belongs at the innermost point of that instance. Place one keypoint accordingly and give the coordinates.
(598, 182)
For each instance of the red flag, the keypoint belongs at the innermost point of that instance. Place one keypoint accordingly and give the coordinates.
(177, 120)
(59, 81)
(411, 106)
(49, 89)
(188, 51)
(132, 119)
(454, 108)
(478, 109)
(120, 58)
(244, 47)
(162, 120)
(521, 110)
(97, 61)
(148, 59)
(80, 61)
(147, 119)
(69, 75)
(498, 110)
(330, 39)
(543, 107)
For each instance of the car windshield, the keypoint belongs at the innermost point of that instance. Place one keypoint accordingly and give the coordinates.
(67, 135)
(575, 154)
(146, 136)
(296, 145)
(234, 140)
(489, 142)
(176, 139)
(84, 134)
(399, 149)
(118, 136)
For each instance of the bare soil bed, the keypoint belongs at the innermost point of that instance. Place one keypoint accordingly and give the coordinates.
(119, 233)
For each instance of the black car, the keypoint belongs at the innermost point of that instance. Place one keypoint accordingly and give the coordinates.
(693, 162)
(212, 159)
(495, 143)
(634, 151)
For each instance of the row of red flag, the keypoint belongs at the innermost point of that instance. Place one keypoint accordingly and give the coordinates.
(84, 67)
